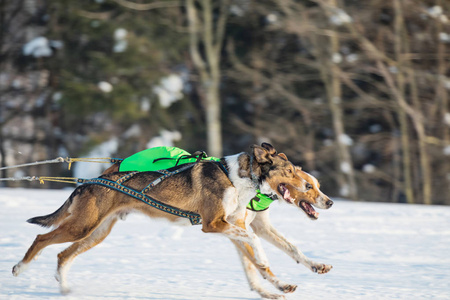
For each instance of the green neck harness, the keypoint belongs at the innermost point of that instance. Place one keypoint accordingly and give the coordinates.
(260, 202)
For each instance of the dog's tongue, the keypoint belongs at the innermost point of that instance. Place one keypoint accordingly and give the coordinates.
(287, 194)
(311, 210)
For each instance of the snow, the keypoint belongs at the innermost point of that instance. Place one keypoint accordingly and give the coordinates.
(340, 17)
(105, 86)
(169, 90)
(351, 58)
(336, 58)
(145, 104)
(435, 11)
(120, 37)
(444, 37)
(345, 139)
(91, 170)
(446, 150)
(166, 138)
(132, 132)
(237, 10)
(447, 118)
(120, 34)
(272, 18)
(345, 167)
(38, 47)
(378, 251)
(344, 190)
(369, 168)
(41, 47)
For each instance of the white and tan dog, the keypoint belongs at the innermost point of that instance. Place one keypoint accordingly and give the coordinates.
(262, 227)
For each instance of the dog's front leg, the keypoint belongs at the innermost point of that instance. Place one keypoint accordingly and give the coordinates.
(252, 276)
(250, 268)
(240, 235)
(262, 227)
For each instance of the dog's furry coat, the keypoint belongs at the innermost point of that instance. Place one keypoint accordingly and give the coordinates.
(89, 214)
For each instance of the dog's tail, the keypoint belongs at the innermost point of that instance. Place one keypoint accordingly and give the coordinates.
(54, 218)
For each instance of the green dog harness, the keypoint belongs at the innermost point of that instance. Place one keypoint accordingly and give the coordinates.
(163, 158)
(260, 202)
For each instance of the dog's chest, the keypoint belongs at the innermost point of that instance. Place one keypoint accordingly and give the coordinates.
(244, 186)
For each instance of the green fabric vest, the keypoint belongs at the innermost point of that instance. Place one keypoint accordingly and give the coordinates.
(149, 160)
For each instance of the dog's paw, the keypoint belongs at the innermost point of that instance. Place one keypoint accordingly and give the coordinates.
(64, 290)
(288, 288)
(19, 268)
(321, 268)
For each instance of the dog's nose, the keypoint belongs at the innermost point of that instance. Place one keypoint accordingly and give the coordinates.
(308, 186)
(329, 203)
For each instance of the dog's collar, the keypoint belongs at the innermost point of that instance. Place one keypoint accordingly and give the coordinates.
(261, 201)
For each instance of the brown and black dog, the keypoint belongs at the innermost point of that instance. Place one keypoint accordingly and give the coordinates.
(220, 198)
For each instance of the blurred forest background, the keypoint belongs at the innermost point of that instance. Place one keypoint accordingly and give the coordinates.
(356, 92)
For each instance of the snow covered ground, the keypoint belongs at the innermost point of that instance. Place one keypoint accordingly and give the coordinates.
(378, 251)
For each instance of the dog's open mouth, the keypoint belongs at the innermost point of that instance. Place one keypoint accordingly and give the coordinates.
(308, 209)
(285, 193)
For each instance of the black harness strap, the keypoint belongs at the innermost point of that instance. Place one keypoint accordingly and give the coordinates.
(166, 175)
(125, 178)
(114, 185)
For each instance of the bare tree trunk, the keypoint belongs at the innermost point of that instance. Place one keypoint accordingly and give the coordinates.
(213, 120)
(402, 43)
(404, 127)
(209, 66)
(333, 86)
(441, 91)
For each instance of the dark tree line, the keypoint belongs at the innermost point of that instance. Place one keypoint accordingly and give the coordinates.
(356, 92)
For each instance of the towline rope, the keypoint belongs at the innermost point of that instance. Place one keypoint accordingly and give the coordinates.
(42, 179)
(69, 160)
(50, 161)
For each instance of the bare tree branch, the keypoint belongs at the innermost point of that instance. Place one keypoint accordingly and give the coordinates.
(149, 6)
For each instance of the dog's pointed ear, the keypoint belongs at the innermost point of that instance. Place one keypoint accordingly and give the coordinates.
(262, 155)
(283, 156)
(269, 148)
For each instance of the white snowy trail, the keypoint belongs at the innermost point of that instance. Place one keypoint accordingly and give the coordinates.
(378, 251)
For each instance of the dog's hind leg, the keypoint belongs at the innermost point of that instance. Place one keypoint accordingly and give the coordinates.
(68, 231)
(66, 257)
